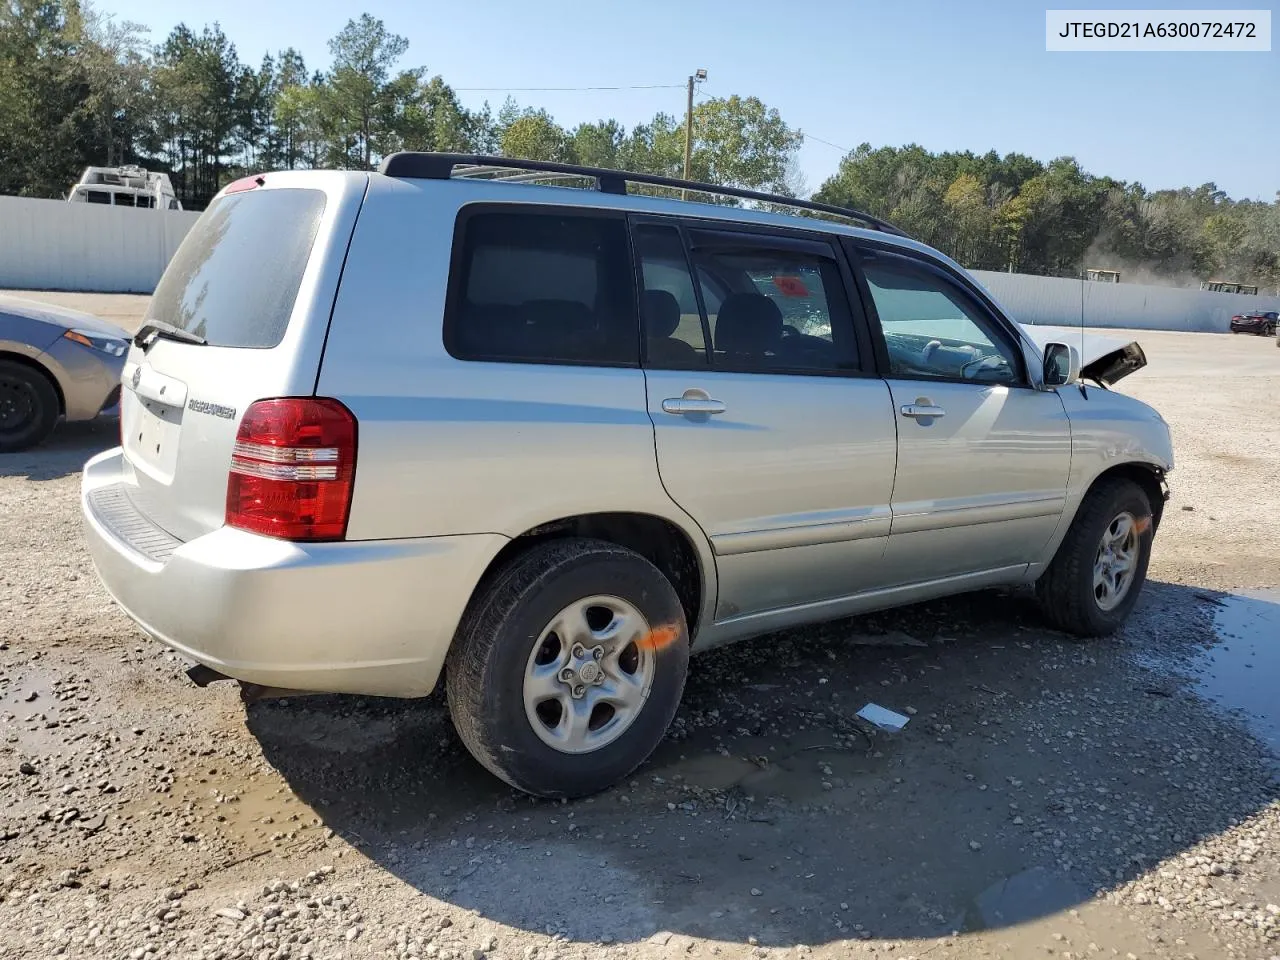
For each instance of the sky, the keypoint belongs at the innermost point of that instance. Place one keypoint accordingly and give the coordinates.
(946, 75)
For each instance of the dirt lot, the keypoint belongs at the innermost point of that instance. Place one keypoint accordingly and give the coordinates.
(1047, 798)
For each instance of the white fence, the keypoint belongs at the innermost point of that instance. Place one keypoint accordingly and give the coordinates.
(54, 245)
(1062, 302)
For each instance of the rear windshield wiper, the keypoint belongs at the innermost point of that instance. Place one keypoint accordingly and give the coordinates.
(154, 330)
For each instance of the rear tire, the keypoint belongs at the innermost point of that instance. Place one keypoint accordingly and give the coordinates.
(508, 694)
(1082, 592)
(28, 407)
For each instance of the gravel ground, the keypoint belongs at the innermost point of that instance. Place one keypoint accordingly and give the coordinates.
(1047, 797)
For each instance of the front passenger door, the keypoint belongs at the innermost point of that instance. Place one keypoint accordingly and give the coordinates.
(983, 456)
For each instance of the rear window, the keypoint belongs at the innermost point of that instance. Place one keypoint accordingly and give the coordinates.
(542, 286)
(236, 276)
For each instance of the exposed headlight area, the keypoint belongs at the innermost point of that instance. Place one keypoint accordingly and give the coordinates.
(111, 346)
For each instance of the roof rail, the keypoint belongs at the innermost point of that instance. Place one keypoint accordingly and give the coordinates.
(441, 166)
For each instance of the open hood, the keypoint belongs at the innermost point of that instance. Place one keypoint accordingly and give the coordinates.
(1104, 360)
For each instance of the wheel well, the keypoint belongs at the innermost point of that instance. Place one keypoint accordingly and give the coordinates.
(41, 369)
(659, 541)
(1149, 478)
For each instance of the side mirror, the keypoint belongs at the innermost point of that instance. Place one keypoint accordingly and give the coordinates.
(1061, 364)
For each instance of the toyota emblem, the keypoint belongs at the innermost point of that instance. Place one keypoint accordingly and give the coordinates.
(137, 377)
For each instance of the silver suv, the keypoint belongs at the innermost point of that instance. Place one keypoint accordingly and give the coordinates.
(545, 442)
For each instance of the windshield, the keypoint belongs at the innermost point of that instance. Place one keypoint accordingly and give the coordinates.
(234, 280)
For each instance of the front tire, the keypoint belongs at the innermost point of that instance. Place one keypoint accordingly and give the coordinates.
(28, 407)
(568, 667)
(1094, 580)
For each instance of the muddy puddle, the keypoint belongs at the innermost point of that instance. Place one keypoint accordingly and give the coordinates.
(1023, 897)
(818, 766)
(1242, 672)
(37, 709)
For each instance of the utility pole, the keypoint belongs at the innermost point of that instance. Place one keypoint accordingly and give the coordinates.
(697, 77)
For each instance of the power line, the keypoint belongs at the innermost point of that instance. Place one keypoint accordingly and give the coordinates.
(810, 136)
(643, 86)
(807, 136)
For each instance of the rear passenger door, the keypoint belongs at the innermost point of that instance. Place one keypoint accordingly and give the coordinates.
(772, 430)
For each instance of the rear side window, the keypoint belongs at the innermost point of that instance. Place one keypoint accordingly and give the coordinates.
(774, 304)
(542, 286)
(674, 335)
(235, 278)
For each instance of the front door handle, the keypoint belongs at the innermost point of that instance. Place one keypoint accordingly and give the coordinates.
(922, 410)
(683, 406)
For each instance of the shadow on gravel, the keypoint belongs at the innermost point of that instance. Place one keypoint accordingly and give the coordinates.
(65, 452)
(1034, 773)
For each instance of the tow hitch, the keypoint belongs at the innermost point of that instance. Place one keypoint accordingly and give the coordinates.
(202, 676)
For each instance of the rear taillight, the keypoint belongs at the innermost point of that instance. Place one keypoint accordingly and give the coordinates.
(293, 469)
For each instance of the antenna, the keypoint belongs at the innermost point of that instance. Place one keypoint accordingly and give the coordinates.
(1084, 278)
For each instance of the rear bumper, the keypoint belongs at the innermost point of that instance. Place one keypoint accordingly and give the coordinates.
(369, 617)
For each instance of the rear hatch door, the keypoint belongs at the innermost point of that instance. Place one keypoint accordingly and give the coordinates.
(240, 315)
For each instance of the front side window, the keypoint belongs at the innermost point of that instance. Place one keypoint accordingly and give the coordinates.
(538, 286)
(97, 196)
(932, 327)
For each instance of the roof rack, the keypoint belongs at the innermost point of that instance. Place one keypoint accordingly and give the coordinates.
(445, 166)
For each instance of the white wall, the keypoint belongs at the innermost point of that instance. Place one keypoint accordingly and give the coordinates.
(1058, 301)
(54, 245)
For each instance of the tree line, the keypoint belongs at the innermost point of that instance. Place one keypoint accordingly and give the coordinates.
(1015, 213)
(78, 89)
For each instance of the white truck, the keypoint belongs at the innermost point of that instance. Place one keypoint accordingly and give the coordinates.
(127, 186)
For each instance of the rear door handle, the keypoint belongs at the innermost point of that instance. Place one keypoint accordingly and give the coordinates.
(922, 411)
(681, 406)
